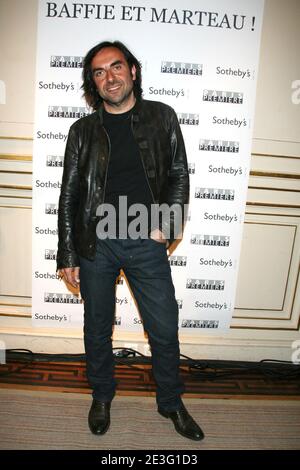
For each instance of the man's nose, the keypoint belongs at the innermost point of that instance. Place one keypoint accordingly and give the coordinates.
(109, 75)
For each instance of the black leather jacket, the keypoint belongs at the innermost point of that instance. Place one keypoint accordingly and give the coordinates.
(157, 132)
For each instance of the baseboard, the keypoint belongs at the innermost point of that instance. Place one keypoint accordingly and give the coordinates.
(215, 348)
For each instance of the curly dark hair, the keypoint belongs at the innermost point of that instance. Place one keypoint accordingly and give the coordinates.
(89, 88)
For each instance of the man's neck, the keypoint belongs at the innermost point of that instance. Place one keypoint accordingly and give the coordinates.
(122, 107)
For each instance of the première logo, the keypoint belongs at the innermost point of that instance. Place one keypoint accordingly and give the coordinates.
(191, 168)
(50, 254)
(214, 193)
(56, 298)
(220, 96)
(51, 209)
(210, 240)
(210, 145)
(199, 323)
(188, 119)
(67, 112)
(66, 61)
(55, 161)
(181, 68)
(178, 260)
(205, 284)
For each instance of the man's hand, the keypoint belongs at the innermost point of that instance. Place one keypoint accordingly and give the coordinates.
(71, 275)
(158, 236)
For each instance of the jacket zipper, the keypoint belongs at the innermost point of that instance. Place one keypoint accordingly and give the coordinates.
(143, 166)
(106, 173)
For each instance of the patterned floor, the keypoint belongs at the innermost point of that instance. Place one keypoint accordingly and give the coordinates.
(138, 380)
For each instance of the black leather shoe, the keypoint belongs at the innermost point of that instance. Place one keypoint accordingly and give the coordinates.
(99, 417)
(184, 423)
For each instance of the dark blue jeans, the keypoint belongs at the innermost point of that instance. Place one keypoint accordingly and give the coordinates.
(145, 264)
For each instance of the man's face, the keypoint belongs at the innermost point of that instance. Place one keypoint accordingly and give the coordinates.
(114, 79)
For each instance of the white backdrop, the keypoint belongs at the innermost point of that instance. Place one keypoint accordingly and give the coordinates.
(200, 57)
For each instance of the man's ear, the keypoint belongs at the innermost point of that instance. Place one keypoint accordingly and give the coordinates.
(133, 72)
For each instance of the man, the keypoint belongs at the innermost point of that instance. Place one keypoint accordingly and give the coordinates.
(131, 148)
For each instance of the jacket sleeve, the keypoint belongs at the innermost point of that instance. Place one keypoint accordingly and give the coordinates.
(68, 204)
(178, 184)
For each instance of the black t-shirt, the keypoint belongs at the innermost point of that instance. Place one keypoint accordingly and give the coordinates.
(126, 174)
